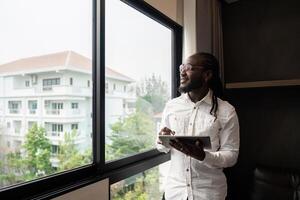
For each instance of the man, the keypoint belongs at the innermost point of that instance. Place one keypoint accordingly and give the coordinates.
(195, 173)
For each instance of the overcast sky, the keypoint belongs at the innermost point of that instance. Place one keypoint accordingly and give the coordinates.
(135, 44)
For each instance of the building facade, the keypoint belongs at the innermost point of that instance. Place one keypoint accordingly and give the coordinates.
(55, 92)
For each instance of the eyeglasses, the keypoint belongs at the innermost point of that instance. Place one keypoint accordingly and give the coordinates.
(188, 67)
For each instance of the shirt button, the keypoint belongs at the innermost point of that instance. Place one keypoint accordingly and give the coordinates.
(188, 185)
(191, 124)
(187, 170)
(195, 107)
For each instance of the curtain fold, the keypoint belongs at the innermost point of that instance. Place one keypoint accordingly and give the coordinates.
(209, 36)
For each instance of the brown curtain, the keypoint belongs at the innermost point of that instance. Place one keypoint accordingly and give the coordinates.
(209, 36)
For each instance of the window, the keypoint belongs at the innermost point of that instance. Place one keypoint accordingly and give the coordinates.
(51, 81)
(84, 38)
(152, 82)
(54, 149)
(27, 83)
(32, 106)
(146, 185)
(74, 126)
(57, 128)
(54, 50)
(74, 105)
(14, 107)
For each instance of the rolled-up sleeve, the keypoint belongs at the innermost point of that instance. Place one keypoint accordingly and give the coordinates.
(227, 155)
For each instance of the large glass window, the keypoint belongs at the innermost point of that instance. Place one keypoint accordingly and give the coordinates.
(43, 44)
(138, 79)
(146, 185)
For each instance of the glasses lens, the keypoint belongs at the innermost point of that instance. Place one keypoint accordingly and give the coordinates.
(181, 67)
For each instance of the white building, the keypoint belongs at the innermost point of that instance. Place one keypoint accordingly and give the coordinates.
(55, 91)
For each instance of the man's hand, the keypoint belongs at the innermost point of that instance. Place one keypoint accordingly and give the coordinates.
(165, 131)
(196, 151)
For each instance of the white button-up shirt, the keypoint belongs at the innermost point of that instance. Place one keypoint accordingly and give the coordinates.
(189, 177)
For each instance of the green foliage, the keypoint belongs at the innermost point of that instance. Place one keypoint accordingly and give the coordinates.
(37, 152)
(69, 156)
(144, 186)
(12, 169)
(133, 135)
(155, 91)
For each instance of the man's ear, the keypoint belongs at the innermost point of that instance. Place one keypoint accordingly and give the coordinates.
(207, 75)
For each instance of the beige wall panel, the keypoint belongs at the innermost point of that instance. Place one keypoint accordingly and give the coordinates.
(96, 191)
(172, 8)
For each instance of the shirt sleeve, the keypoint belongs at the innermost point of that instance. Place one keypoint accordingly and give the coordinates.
(164, 123)
(227, 155)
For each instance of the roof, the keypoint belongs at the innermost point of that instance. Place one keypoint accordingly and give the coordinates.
(66, 60)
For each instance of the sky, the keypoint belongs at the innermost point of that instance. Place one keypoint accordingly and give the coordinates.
(136, 45)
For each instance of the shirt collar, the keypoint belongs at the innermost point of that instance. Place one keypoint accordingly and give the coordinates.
(207, 98)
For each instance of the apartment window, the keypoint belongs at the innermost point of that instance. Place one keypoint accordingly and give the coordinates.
(32, 106)
(8, 124)
(51, 81)
(74, 105)
(54, 149)
(136, 128)
(48, 83)
(71, 81)
(27, 83)
(88, 83)
(57, 128)
(14, 107)
(17, 124)
(74, 126)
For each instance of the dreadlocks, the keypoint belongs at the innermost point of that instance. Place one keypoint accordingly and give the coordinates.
(209, 62)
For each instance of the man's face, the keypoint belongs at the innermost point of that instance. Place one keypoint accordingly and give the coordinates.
(193, 77)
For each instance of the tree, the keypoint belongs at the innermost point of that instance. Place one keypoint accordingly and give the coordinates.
(69, 156)
(12, 170)
(133, 135)
(155, 91)
(37, 152)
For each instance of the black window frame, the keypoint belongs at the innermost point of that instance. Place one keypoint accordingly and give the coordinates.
(57, 184)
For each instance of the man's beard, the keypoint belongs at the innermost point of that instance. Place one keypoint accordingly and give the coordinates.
(190, 86)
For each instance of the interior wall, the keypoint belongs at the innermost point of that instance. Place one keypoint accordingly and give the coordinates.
(171, 8)
(261, 42)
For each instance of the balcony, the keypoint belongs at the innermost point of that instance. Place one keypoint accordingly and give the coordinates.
(14, 111)
(32, 111)
(50, 90)
(53, 111)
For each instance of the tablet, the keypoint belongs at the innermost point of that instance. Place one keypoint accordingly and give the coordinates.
(165, 139)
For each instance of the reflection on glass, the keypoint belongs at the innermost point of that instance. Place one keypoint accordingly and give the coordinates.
(138, 76)
(45, 119)
(148, 185)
